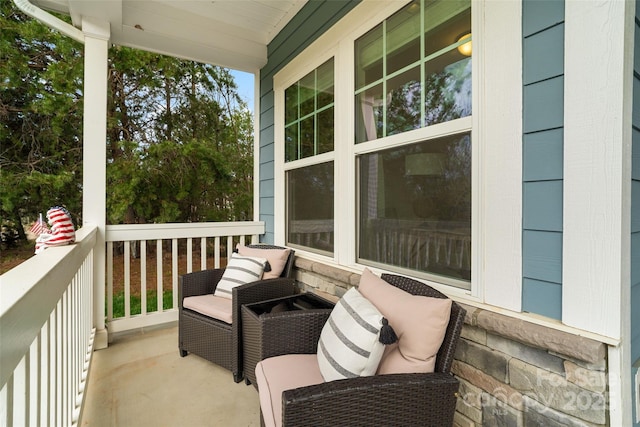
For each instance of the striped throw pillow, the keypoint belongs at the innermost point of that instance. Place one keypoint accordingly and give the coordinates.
(239, 270)
(349, 343)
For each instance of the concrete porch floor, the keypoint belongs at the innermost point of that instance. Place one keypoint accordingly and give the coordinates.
(141, 380)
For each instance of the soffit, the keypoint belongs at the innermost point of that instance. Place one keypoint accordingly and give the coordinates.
(230, 33)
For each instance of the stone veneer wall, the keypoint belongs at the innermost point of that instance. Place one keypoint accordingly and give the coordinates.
(512, 372)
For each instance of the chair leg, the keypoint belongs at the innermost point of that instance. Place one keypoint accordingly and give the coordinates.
(237, 377)
(246, 381)
(183, 353)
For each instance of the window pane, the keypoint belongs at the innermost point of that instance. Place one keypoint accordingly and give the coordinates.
(415, 207)
(445, 22)
(368, 54)
(403, 38)
(403, 102)
(307, 137)
(325, 84)
(307, 94)
(291, 104)
(369, 114)
(447, 88)
(325, 131)
(310, 207)
(422, 86)
(291, 142)
(305, 101)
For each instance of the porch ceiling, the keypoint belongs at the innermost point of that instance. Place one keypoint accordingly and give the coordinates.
(230, 33)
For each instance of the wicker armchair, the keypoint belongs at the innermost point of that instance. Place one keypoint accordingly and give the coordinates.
(395, 399)
(213, 339)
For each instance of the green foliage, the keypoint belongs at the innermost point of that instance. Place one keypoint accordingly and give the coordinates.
(192, 162)
(135, 303)
(179, 139)
(40, 118)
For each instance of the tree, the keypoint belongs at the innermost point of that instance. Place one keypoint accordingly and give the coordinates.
(179, 139)
(181, 142)
(40, 119)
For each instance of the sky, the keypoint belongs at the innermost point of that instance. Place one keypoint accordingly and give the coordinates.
(245, 86)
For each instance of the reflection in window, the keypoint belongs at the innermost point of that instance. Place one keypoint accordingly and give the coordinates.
(415, 207)
(403, 102)
(401, 87)
(310, 207)
(309, 105)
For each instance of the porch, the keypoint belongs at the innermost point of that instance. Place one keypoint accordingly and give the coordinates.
(517, 365)
(55, 312)
(141, 380)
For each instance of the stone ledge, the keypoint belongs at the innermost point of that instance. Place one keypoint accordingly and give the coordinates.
(563, 343)
(330, 272)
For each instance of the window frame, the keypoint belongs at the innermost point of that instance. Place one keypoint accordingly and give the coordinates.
(497, 179)
(282, 165)
(282, 81)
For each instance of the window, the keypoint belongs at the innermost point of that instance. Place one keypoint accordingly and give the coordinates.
(309, 114)
(386, 159)
(415, 207)
(413, 71)
(406, 77)
(309, 133)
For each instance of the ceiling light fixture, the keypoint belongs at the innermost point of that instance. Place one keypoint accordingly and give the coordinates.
(465, 48)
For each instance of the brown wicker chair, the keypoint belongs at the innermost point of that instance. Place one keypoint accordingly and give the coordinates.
(213, 339)
(394, 399)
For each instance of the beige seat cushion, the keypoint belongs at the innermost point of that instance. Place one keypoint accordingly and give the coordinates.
(277, 374)
(419, 322)
(277, 258)
(211, 305)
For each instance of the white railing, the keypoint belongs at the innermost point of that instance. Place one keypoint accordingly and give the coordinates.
(47, 308)
(47, 334)
(170, 247)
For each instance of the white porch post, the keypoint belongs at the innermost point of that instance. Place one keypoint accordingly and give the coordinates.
(96, 48)
(597, 182)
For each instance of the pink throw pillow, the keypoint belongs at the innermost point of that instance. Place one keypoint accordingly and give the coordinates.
(277, 258)
(420, 323)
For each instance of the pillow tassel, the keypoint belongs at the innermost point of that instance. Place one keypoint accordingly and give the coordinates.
(387, 334)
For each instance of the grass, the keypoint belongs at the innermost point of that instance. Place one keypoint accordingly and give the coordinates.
(15, 255)
(136, 303)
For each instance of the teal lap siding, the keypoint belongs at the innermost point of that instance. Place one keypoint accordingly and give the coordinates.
(542, 186)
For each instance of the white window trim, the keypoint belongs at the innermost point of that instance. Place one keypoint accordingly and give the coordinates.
(496, 276)
(498, 161)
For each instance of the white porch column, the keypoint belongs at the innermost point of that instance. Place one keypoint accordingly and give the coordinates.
(597, 164)
(94, 148)
(597, 182)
